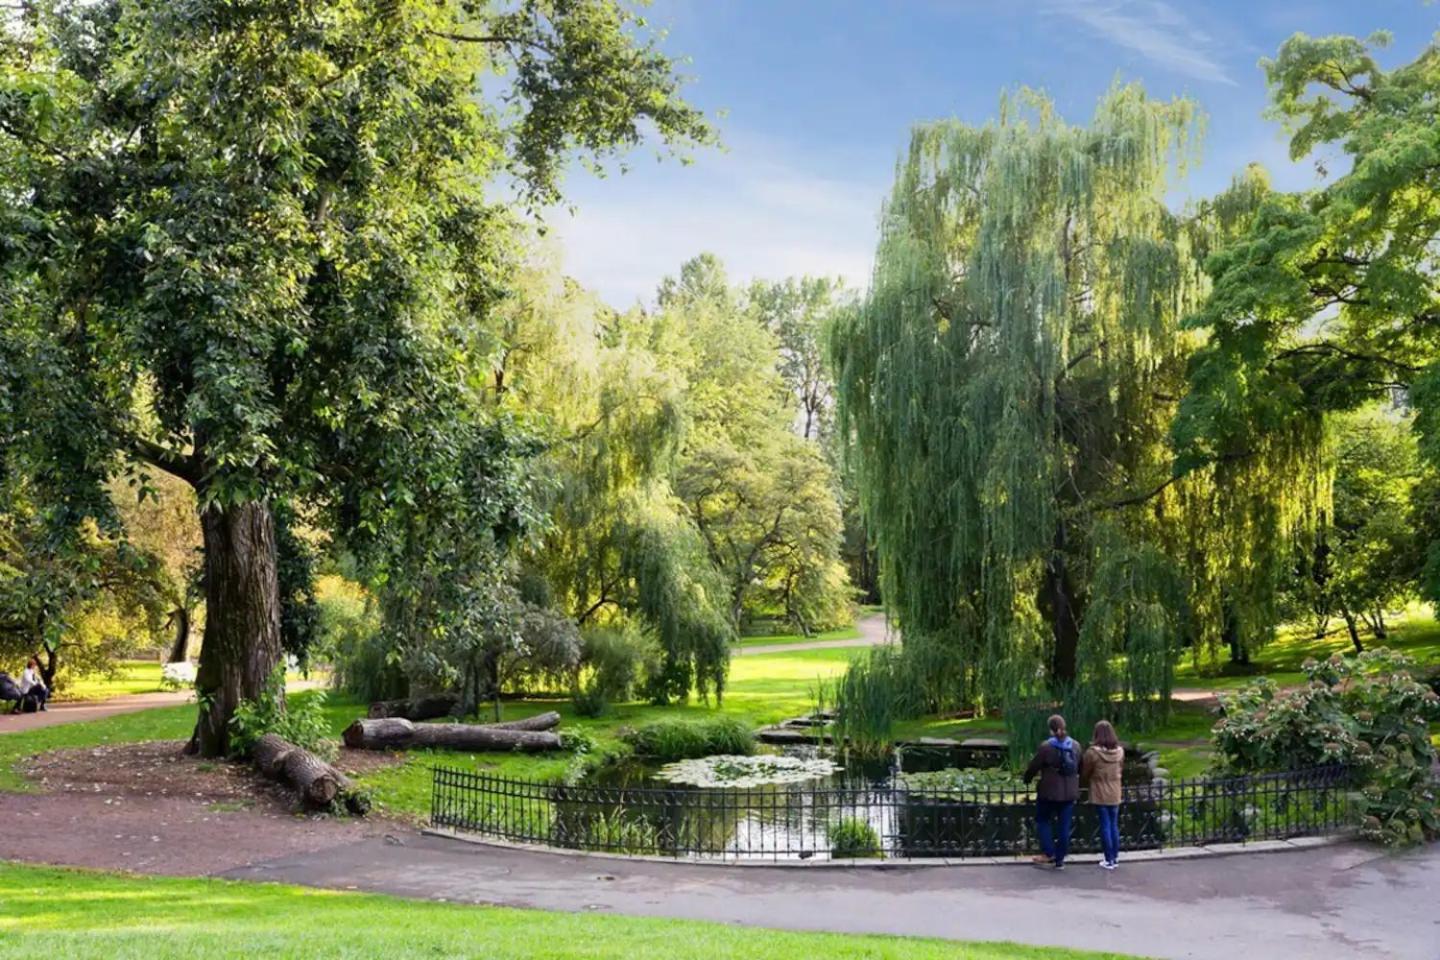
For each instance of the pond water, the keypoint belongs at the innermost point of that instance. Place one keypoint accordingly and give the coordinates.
(802, 802)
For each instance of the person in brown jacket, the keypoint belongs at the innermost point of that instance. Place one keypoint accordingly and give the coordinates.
(1057, 762)
(1100, 771)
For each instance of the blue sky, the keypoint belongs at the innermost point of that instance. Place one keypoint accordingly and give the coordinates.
(818, 97)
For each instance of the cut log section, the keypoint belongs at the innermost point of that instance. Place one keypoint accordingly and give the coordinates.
(396, 733)
(417, 708)
(319, 785)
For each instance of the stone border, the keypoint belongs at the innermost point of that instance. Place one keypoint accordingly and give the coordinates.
(899, 863)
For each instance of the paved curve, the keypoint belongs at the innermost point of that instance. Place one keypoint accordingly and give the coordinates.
(873, 631)
(1337, 902)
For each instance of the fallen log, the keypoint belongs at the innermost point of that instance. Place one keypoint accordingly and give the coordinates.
(417, 708)
(541, 721)
(318, 783)
(397, 733)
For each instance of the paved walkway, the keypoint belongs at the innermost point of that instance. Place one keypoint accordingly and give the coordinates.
(872, 632)
(1344, 901)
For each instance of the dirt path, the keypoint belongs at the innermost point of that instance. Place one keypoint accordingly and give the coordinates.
(872, 632)
(147, 808)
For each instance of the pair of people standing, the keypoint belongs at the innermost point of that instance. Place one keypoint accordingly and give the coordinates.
(1062, 771)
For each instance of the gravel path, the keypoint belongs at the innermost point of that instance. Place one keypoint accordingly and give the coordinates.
(872, 632)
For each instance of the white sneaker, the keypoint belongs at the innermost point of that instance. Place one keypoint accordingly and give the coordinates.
(1107, 865)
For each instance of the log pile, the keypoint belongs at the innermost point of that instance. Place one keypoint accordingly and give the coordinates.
(531, 735)
(320, 786)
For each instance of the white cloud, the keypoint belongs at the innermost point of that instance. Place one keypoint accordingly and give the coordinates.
(755, 208)
(1154, 29)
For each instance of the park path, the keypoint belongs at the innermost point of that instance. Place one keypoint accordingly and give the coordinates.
(1340, 900)
(82, 710)
(872, 627)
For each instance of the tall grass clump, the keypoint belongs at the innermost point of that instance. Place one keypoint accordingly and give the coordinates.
(852, 838)
(665, 741)
(877, 690)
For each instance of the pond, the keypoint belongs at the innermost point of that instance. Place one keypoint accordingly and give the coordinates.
(804, 801)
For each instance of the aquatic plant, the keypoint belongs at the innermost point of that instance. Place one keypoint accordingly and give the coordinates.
(741, 772)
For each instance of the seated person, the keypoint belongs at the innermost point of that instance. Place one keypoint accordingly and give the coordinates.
(31, 684)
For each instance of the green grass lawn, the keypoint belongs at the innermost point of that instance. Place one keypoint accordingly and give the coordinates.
(1416, 633)
(761, 640)
(763, 689)
(79, 915)
(130, 676)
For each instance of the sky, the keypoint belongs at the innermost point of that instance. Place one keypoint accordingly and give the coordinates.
(814, 100)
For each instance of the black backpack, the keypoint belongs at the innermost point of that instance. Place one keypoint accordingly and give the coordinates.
(1066, 759)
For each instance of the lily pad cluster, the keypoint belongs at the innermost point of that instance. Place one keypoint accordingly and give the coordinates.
(741, 771)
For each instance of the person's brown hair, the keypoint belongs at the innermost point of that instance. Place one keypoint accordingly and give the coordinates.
(33, 662)
(1105, 735)
(1057, 726)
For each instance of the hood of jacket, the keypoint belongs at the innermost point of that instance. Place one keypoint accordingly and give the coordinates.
(1108, 755)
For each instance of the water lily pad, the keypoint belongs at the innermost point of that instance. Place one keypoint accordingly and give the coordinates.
(741, 772)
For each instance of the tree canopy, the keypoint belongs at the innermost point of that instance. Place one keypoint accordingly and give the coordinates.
(272, 218)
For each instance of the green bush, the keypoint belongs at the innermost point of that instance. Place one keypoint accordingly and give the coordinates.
(1365, 711)
(665, 741)
(300, 721)
(852, 838)
(612, 660)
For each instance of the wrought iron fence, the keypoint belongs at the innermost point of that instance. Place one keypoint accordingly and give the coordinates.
(805, 821)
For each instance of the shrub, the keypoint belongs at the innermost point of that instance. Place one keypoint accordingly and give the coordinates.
(612, 660)
(668, 740)
(853, 838)
(300, 721)
(1366, 711)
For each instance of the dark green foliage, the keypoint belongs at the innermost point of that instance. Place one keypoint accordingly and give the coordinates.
(665, 741)
(295, 570)
(852, 838)
(1366, 711)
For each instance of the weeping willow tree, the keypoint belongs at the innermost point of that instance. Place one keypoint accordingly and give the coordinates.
(618, 543)
(1009, 385)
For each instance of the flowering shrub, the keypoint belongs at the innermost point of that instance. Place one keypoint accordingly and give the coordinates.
(1366, 711)
(178, 676)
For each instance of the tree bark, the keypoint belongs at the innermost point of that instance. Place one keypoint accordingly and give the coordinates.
(1064, 609)
(1230, 632)
(395, 733)
(1354, 633)
(242, 618)
(180, 648)
(317, 782)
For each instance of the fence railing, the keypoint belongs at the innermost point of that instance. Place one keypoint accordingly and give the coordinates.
(805, 821)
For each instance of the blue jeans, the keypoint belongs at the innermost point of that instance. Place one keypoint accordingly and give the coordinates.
(1054, 846)
(1109, 830)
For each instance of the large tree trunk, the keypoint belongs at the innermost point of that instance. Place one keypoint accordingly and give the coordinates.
(242, 618)
(1230, 633)
(180, 647)
(394, 733)
(1064, 608)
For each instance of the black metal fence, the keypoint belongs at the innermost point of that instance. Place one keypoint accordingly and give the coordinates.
(804, 821)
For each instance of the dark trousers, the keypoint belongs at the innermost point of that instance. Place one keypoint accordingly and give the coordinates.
(1054, 843)
(1109, 815)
